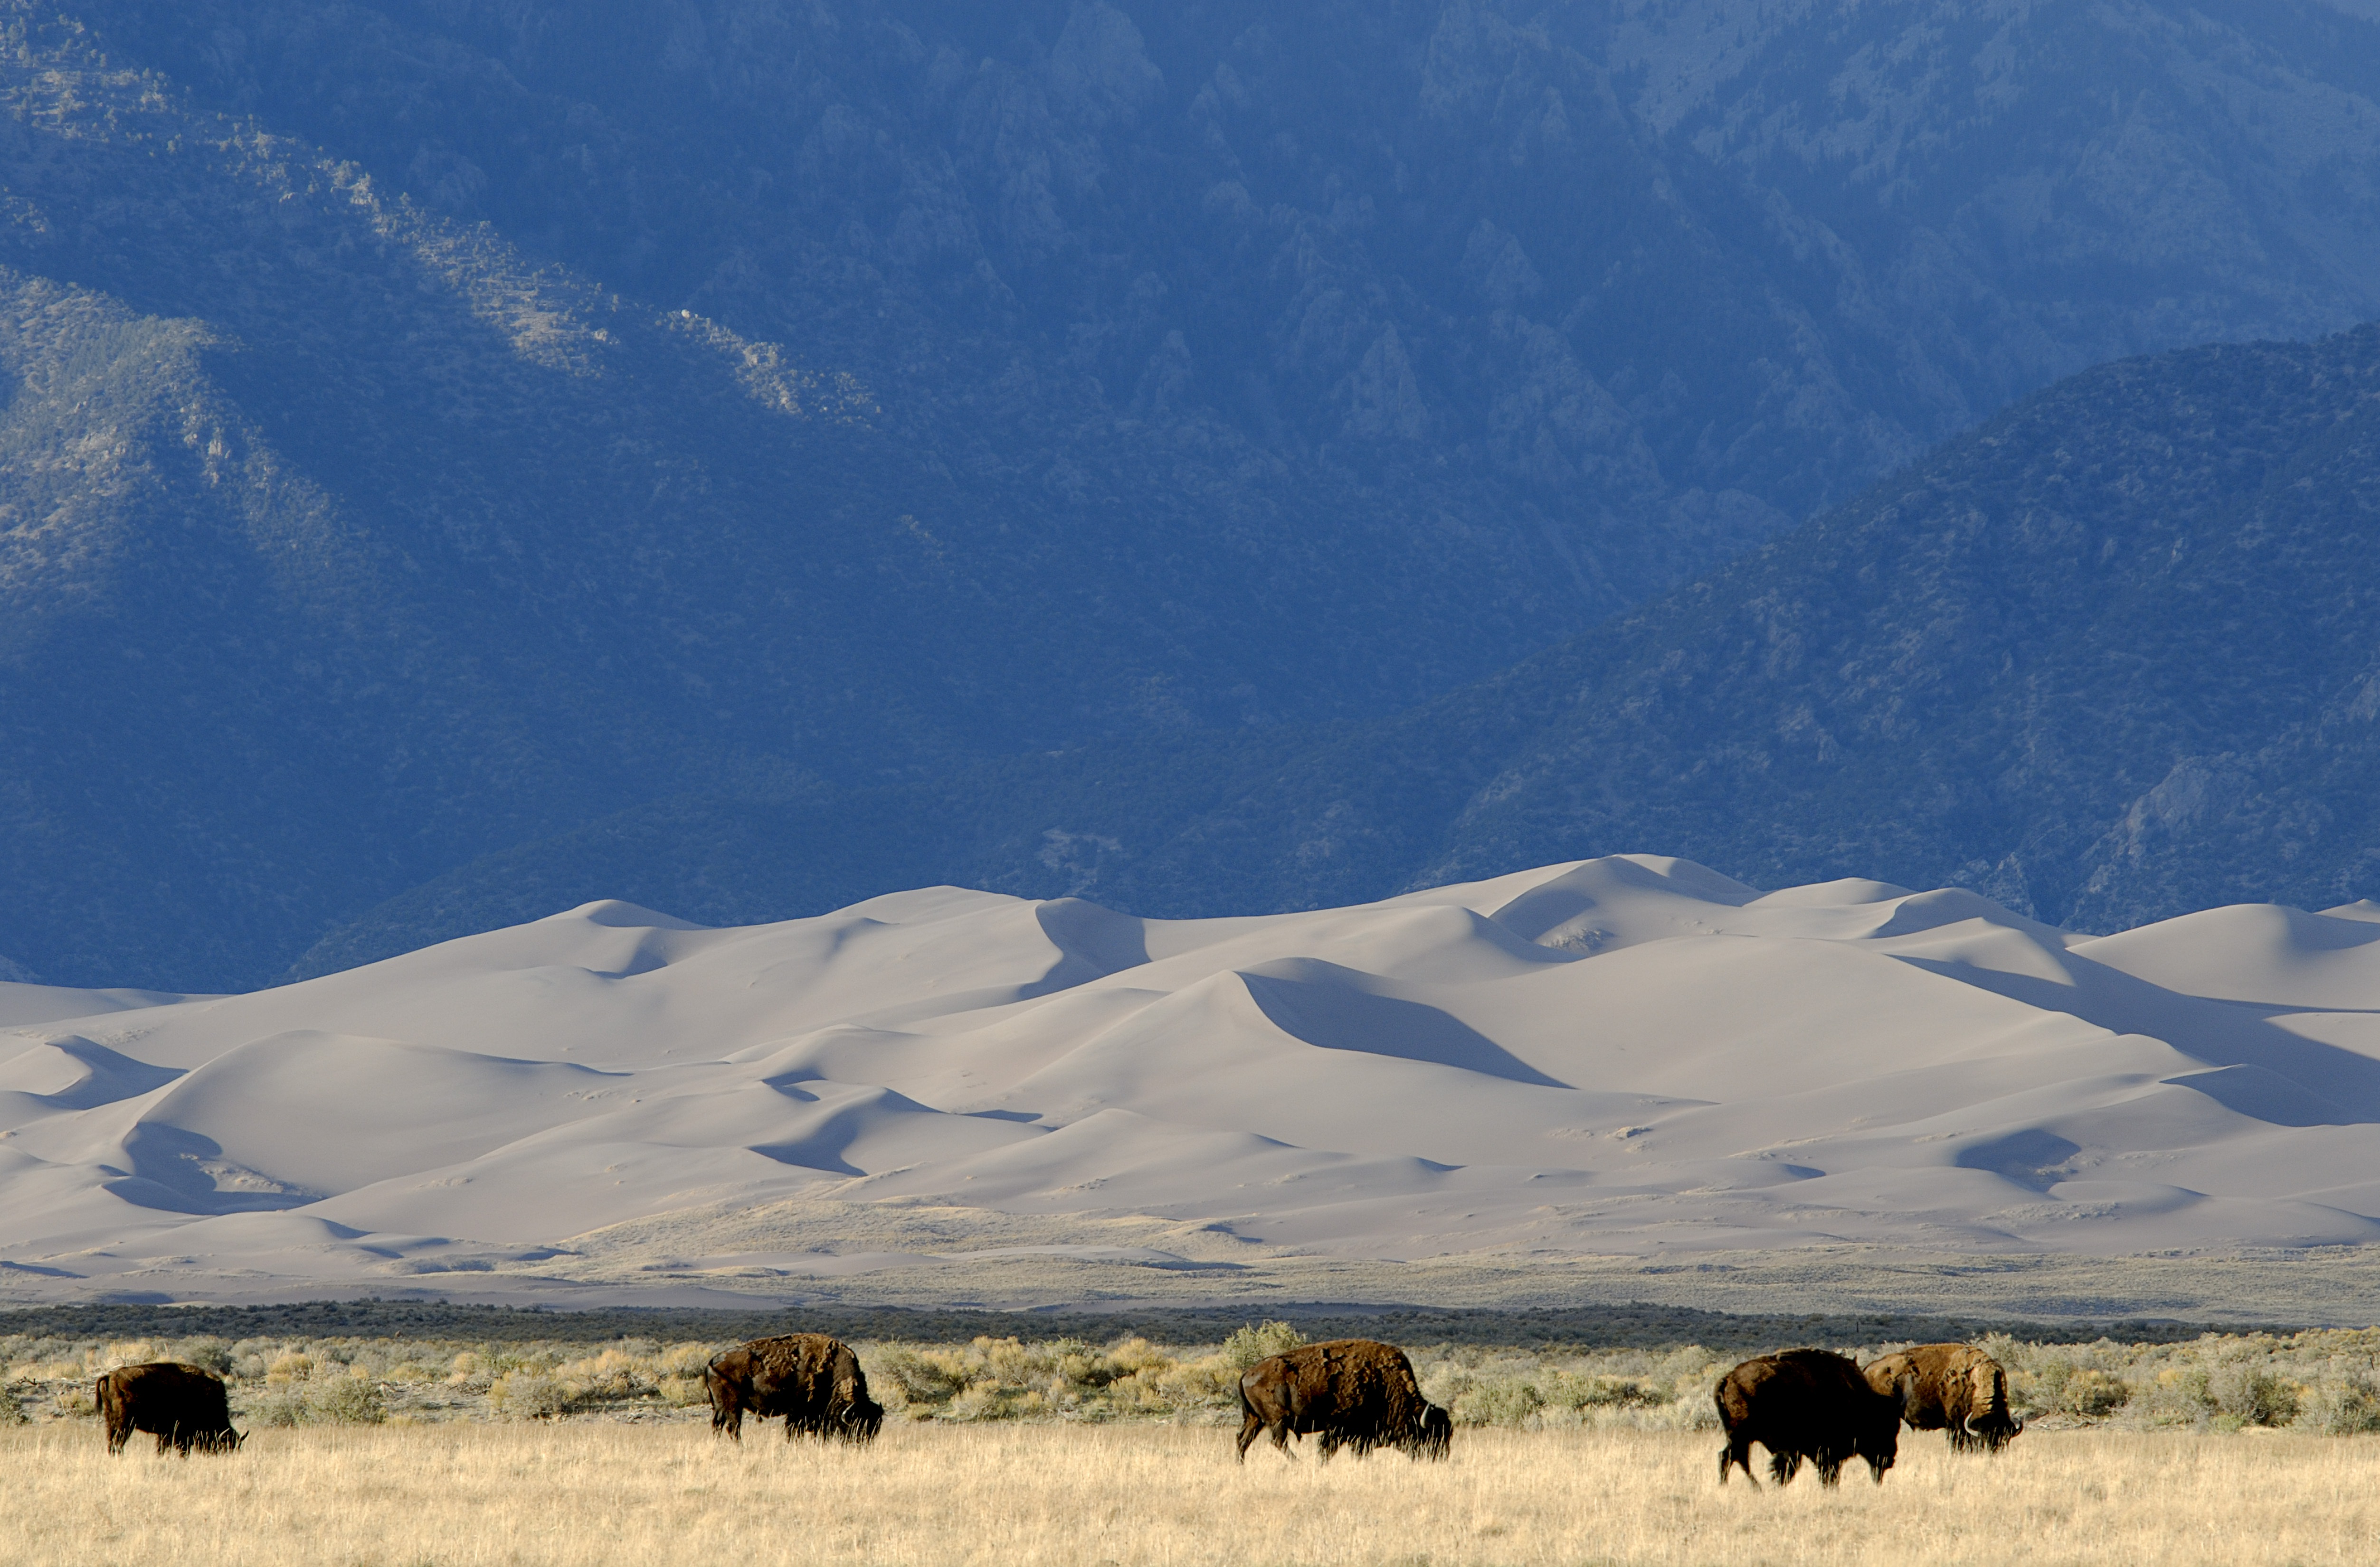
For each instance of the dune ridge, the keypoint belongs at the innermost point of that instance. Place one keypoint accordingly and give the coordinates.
(1631, 1055)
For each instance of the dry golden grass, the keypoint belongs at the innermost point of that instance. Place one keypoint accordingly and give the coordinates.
(586, 1492)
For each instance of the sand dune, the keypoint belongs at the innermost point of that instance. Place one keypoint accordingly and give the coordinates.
(1628, 1055)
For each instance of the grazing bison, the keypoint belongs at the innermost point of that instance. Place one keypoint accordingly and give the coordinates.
(813, 1381)
(1808, 1403)
(182, 1404)
(1351, 1393)
(1960, 1389)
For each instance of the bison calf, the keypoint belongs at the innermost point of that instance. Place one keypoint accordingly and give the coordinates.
(1351, 1392)
(1808, 1403)
(183, 1405)
(1959, 1388)
(813, 1381)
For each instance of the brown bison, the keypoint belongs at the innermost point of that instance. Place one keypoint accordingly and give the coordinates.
(1351, 1393)
(184, 1406)
(1808, 1403)
(1960, 1389)
(813, 1381)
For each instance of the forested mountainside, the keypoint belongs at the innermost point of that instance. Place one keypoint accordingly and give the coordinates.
(2109, 658)
(434, 427)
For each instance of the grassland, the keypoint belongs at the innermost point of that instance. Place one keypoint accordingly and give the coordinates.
(415, 1451)
(1021, 1494)
(2321, 1381)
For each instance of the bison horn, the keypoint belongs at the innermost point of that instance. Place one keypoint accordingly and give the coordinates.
(1967, 1423)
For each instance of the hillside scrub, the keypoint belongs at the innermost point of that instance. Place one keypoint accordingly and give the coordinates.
(2324, 1381)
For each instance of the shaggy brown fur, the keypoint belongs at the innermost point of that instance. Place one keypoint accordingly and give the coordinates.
(184, 1406)
(1960, 1389)
(1351, 1393)
(813, 1381)
(1807, 1404)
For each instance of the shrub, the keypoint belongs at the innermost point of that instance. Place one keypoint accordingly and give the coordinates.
(921, 1377)
(1503, 1401)
(680, 1391)
(1249, 1344)
(1211, 1381)
(345, 1400)
(2093, 1394)
(609, 1378)
(526, 1394)
(1623, 1392)
(283, 1406)
(2354, 1408)
(2255, 1396)
(683, 1360)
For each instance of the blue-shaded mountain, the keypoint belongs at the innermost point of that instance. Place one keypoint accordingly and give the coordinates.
(436, 427)
(2109, 658)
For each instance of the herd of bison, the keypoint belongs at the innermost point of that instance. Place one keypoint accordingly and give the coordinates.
(1801, 1404)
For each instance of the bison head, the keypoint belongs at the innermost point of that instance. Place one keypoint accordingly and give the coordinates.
(1879, 1440)
(1433, 1433)
(1992, 1430)
(860, 1419)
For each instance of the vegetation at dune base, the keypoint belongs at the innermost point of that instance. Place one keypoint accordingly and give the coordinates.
(2318, 1381)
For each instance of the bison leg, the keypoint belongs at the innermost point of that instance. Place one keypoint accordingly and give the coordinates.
(1782, 1466)
(1250, 1426)
(118, 1424)
(1830, 1470)
(726, 1405)
(1737, 1454)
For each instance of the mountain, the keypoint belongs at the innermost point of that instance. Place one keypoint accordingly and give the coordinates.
(2107, 659)
(438, 430)
(1624, 1056)
(2110, 659)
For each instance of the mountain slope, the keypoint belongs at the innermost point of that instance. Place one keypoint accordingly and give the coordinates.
(2107, 659)
(439, 429)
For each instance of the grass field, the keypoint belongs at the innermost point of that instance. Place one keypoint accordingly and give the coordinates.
(936, 1495)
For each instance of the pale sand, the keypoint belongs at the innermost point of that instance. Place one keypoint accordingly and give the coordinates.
(945, 1095)
(591, 1493)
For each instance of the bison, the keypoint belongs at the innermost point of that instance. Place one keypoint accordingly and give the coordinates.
(1351, 1393)
(184, 1406)
(1808, 1403)
(813, 1381)
(1960, 1389)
